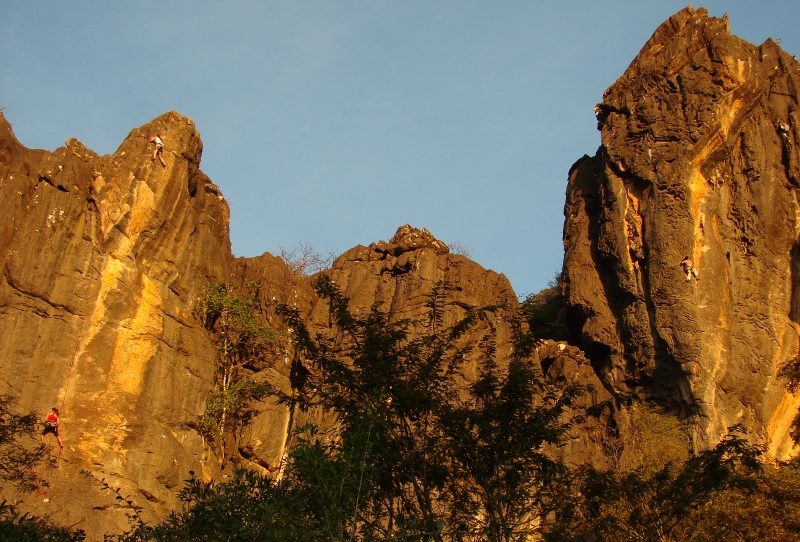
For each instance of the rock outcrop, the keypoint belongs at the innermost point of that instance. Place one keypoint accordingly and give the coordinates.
(398, 277)
(699, 158)
(103, 258)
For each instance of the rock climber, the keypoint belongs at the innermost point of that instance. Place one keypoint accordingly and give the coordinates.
(688, 268)
(601, 112)
(783, 130)
(51, 426)
(159, 150)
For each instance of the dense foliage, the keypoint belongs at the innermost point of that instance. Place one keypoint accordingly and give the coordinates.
(244, 343)
(790, 370)
(545, 312)
(419, 455)
(436, 461)
(26, 528)
(654, 506)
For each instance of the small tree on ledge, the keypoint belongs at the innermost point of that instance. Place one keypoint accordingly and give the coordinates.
(244, 343)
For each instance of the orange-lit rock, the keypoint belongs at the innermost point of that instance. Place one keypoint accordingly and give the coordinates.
(699, 157)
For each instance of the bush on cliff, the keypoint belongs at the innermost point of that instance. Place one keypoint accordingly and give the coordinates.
(647, 505)
(420, 455)
(244, 343)
(436, 459)
(768, 509)
(19, 527)
(545, 312)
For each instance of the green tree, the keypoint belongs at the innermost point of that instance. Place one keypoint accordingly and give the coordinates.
(384, 387)
(243, 508)
(768, 509)
(545, 312)
(439, 460)
(244, 343)
(27, 528)
(654, 506)
(500, 436)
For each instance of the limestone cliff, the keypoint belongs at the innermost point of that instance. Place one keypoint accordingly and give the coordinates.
(699, 158)
(101, 257)
(398, 276)
(102, 260)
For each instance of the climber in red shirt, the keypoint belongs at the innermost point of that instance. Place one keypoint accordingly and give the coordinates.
(51, 426)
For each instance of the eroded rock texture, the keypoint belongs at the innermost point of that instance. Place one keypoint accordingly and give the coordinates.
(103, 258)
(398, 277)
(699, 158)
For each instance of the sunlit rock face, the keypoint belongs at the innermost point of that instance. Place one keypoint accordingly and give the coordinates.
(101, 258)
(398, 277)
(699, 158)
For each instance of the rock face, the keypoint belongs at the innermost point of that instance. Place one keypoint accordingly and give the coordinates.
(101, 257)
(699, 158)
(398, 277)
(102, 260)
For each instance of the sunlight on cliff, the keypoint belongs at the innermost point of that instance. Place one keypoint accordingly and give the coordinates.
(137, 340)
(779, 427)
(141, 212)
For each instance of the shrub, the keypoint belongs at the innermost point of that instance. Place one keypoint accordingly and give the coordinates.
(545, 312)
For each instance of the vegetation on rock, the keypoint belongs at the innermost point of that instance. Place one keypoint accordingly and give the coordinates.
(420, 456)
(27, 528)
(645, 437)
(305, 260)
(20, 452)
(244, 343)
(654, 506)
(545, 312)
(790, 370)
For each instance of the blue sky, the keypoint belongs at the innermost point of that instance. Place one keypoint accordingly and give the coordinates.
(332, 123)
